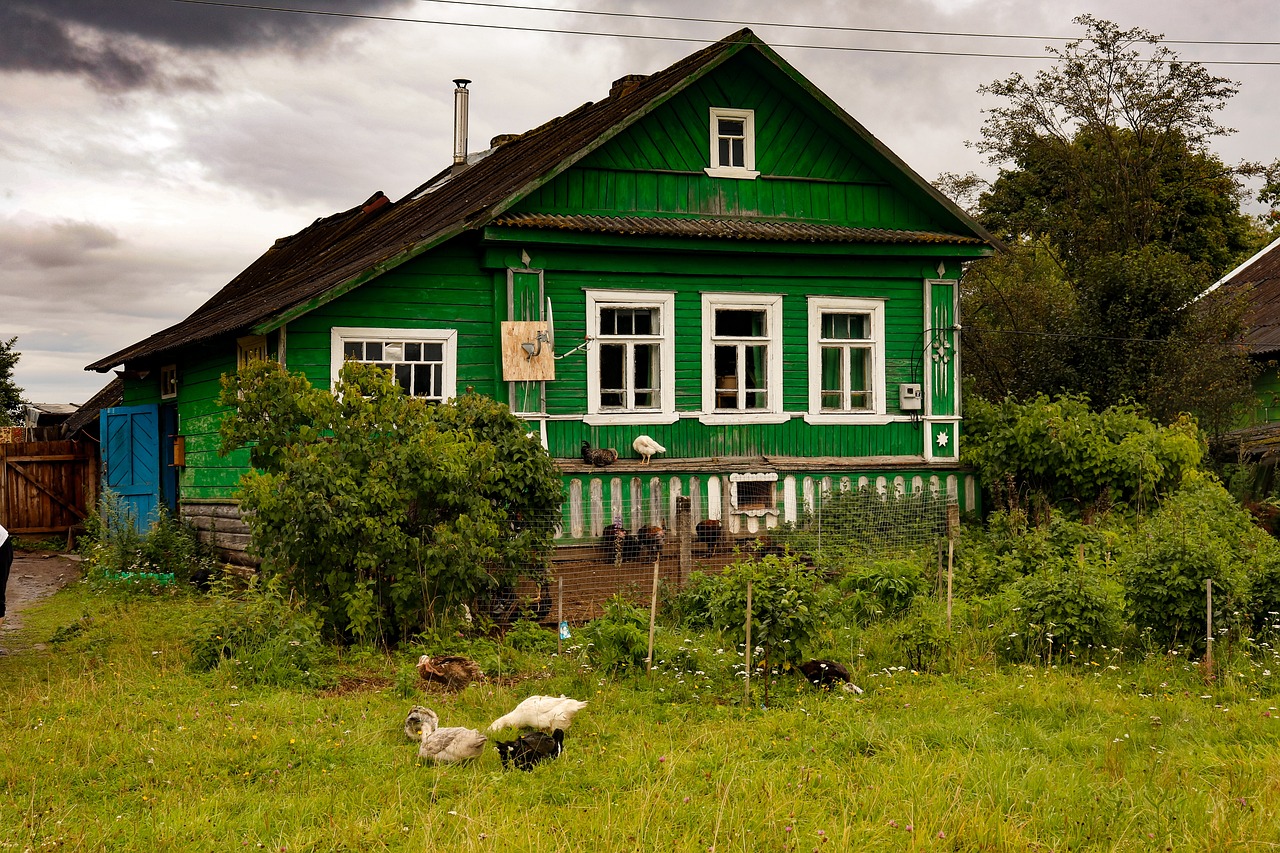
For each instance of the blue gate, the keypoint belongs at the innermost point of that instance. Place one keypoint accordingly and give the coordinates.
(131, 459)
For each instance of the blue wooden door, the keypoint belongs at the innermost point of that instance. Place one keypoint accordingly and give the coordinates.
(131, 459)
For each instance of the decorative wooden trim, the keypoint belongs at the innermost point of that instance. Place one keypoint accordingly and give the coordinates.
(665, 302)
(818, 305)
(771, 303)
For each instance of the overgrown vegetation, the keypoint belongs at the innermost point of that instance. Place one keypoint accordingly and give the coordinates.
(120, 556)
(382, 511)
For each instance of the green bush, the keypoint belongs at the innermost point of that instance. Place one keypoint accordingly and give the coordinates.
(619, 639)
(119, 556)
(1062, 452)
(1199, 533)
(884, 589)
(259, 636)
(528, 636)
(386, 512)
(921, 634)
(1068, 608)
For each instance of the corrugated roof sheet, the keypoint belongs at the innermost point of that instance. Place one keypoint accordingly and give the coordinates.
(1260, 279)
(727, 229)
(343, 250)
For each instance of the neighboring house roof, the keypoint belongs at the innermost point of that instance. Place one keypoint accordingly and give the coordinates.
(1259, 278)
(49, 414)
(336, 254)
(112, 394)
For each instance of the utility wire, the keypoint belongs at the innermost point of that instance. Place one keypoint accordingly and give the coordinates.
(820, 27)
(651, 37)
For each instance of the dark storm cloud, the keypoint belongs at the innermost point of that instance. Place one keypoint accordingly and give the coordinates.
(49, 245)
(119, 45)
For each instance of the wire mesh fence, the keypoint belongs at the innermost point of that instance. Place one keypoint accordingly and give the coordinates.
(661, 536)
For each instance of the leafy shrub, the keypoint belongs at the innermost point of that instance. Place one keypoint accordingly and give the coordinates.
(1068, 606)
(620, 638)
(690, 606)
(884, 588)
(922, 634)
(528, 636)
(384, 511)
(1199, 533)
(787, 605)
(120, 556)
(258, 636)
(1073, 457)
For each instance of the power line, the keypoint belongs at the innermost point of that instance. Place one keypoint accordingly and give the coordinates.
(820, 27)
(650, 37)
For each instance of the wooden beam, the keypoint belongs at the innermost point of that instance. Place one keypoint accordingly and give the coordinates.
(74, 510)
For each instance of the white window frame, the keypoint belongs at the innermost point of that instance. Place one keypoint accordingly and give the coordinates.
(878, 411)
(771, 304)
(168, 382)
(340, 335)
(770, 477)
(746, 171)
(665, 302)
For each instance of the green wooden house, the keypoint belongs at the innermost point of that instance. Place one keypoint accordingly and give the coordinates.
(715, 255)
(1257, 280)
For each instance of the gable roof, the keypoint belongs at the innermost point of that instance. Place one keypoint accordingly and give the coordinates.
(338, 253)
(1259, 278)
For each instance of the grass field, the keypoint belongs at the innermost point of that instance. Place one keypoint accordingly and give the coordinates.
(108, 741)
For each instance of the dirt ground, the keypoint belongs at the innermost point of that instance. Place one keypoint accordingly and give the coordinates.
(35, 575)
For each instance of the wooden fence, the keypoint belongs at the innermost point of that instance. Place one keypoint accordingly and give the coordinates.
(46, 487)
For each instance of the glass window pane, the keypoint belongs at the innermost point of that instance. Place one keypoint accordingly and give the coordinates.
(645, 400)
(860, 400)
(859, 369)
(846, 327)
(412, 352)
(726, 366)
(422, 384)
(754, 358)
(611, 400)
(757, 400)
(353, 349)
(373, 351)
(433, 352)
(608, 321)
(645, 321)
(740, 323)
(737, 153)
(645, 372)
(612, 368)
(831, 369)
(724, 153)
(732, 127)
(831, 400)
(404, 377)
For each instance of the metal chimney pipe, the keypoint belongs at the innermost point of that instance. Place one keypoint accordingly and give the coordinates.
(460, 97)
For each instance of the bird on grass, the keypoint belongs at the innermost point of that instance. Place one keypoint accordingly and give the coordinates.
(828, 673)
(646, 447)
(453, 671)
(528, 750)
(598, 458)
(443, 746)
(544, 713)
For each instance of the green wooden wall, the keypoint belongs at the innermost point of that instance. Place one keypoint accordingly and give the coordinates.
(812, 169)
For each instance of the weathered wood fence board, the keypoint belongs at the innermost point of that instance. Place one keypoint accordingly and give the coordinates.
(46, 486)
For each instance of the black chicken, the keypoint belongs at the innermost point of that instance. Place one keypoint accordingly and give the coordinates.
(614, 542)
(828, 673)
(528, 750)
(598, 458)
(649, 541)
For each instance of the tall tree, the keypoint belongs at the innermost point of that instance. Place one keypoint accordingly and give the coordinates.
(1118, 216)
(10, 394)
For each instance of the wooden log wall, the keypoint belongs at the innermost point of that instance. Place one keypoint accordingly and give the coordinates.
(220, 526)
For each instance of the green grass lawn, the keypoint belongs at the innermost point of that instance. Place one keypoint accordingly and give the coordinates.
(109, 742)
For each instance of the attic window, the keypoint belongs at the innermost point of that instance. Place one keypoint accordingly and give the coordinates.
(168, 381)
(733, 143)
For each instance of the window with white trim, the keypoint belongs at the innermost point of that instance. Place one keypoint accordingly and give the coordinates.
(733, 143)
(168, 381)
(423, 361)
(631, 361)
(754, 494)
(741, 354)
(846, 357)
(250, 348)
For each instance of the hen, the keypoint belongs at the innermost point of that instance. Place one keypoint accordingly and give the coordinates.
(827, 673)
(646, 447)
(453, 671)
(545, 713)
(598, 458)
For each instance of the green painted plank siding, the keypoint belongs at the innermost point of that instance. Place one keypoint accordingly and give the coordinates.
(1266, 389)
(811, 168)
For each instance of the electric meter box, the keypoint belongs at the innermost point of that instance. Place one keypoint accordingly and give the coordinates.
(910, 397)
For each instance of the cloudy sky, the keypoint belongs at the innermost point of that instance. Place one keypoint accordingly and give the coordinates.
(150, 149)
